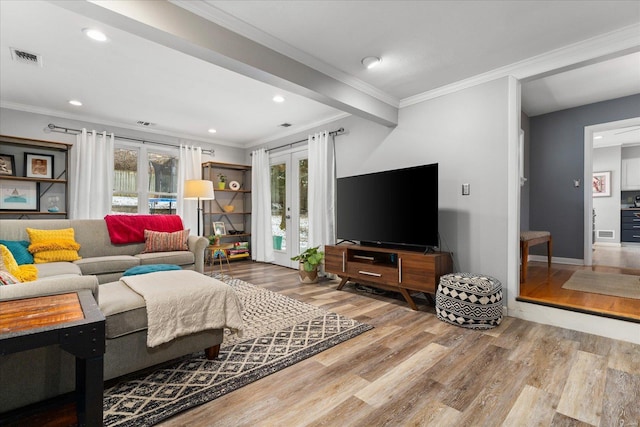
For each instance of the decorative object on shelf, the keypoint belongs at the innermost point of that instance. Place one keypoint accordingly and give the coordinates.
(19, 196)
(53, 204)
(228, 208)
(602, 184)
(214, 240)
(234, 185)
(198, 189)
(38, 165)
(7, 165)
(310, 260)
(219, 228)
(222, 179)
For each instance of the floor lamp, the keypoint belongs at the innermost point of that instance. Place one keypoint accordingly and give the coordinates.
(198, 189)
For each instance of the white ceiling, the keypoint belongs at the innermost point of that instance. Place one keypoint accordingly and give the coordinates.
(425, 46)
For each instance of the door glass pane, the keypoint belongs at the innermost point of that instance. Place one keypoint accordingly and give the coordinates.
(163, 186)
(303, 168)
(278, 206)
(125, 181)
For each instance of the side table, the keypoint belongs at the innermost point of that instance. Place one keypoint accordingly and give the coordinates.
(222, 247)
(74, 322)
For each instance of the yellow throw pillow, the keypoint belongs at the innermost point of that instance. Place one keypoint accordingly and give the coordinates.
(24, 273)
(53, 245)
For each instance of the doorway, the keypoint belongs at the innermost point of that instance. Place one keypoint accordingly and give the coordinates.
(617, 134)
(289, 213)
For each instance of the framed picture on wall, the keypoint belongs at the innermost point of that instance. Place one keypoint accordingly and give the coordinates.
(601, 184)
(38, 165)
(19, 195)
(7, 165)
(219, 229)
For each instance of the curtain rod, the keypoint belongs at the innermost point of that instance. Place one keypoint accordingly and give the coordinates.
(333, 133)
(53, 128)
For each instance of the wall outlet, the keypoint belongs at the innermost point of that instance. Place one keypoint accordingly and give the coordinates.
(465, 189)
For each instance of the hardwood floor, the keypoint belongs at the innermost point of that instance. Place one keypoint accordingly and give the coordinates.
(545, 287)
(415, 370)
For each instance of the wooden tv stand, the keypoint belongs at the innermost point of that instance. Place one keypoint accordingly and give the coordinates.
(392, 269)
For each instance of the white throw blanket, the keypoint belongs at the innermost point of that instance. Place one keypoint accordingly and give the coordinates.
(181, 302)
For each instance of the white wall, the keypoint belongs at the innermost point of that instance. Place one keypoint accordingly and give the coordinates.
(607, 209)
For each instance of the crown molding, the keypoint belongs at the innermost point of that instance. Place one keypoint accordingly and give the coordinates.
(291, 132)
(616, 43)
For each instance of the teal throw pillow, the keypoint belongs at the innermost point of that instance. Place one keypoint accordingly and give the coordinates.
(150, 268)
(18, 249)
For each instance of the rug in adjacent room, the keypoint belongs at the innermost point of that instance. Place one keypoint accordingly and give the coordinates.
(619, 285)
(279, 332)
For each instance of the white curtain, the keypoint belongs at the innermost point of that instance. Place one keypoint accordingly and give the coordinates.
(189, 167)
(91, 185)
(261, 240)
(321, 197)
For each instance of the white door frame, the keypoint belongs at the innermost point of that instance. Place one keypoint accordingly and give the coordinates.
(588, 177)
(290, 158)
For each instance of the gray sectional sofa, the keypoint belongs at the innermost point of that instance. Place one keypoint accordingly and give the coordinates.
(36, 375)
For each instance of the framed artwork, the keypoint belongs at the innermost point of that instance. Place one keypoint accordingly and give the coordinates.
(7, 165)
(19, 195)
(38, 165)
(219, 228)
(601, 184)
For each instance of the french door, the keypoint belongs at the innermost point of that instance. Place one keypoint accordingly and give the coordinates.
(289, 214)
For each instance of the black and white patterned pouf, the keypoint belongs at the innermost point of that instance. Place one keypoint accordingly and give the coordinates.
(469, 300)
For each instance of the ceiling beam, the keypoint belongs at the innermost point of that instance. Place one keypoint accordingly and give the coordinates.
(177, 28)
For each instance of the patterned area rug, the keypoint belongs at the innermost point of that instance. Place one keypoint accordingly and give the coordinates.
(279, 332)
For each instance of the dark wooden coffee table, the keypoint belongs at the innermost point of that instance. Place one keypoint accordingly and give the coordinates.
(74, 322)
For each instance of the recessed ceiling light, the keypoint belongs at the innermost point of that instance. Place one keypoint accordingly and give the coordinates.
(278, 98)
(212, 130)
(94, 34)
(75, 102)
(371, 61)
(597, 137)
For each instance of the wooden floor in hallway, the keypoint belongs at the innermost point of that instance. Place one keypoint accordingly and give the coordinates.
(545, 287)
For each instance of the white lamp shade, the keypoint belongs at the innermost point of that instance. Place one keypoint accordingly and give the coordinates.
(195, 189)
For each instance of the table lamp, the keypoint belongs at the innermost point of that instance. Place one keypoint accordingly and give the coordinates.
(198, 189)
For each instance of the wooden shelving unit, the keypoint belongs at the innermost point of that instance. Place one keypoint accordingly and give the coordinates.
(238, 221)
(58, 185)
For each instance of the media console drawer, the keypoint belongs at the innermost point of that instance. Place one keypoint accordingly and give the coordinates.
(372, 272)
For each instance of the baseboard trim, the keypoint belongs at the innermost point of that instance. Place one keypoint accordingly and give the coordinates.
(557, 260)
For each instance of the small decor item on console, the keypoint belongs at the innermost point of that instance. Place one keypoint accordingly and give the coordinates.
(234, 185)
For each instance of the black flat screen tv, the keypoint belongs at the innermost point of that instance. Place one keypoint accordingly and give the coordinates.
(392, 209)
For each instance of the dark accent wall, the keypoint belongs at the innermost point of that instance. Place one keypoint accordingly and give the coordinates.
(556, 159)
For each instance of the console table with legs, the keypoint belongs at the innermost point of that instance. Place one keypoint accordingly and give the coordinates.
(392, 269)
(74, 322)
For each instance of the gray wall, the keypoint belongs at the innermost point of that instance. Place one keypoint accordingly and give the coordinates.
(556, 159)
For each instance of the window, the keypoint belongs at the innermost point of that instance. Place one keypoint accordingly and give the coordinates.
(145, 180)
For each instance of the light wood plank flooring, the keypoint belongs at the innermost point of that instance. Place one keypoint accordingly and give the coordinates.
(414, 369)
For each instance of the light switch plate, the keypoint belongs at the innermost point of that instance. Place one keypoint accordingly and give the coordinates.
(465, 189)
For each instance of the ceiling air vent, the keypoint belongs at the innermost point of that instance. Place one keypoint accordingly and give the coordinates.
(143, 123)
(26, 57)
(285, 125)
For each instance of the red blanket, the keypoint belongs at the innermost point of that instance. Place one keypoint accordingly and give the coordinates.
(130, 228)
